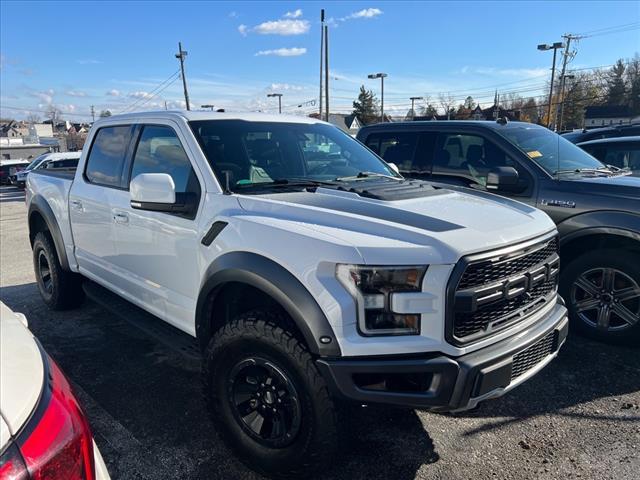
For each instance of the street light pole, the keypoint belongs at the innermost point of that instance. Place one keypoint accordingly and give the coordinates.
(555, 46)
(381, 76)
(413, 99)
(279, 95)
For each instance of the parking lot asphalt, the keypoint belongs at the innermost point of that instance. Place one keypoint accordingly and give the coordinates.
(578, 418)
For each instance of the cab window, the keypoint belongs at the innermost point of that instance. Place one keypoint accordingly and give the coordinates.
(159, 151)
(107, 156)
(468, 157)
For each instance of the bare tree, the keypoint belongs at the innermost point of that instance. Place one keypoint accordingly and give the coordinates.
(33, 118)
(446, 102)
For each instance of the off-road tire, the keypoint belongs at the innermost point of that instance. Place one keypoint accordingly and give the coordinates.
(628, 264)
(262, 334)
(62, 289)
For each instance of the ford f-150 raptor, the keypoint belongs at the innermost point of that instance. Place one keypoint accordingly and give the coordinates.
(308, 270)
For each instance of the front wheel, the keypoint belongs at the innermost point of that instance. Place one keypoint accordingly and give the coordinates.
(268, 399)
(602, 291)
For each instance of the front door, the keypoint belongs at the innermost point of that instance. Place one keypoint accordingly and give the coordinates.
(157, 252)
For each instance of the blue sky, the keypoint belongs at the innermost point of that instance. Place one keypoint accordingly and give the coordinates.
(114, 54)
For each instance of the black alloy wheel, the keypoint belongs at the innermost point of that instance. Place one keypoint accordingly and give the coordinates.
(264, 401)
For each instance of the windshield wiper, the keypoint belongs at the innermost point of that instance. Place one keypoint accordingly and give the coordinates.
(365, 174)
(287, 182)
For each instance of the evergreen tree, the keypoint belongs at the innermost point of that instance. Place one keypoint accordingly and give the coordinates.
(105, 113)
(366, 107)
(615, 84)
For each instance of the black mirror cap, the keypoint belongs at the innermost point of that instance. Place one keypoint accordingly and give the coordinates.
(186, 205)
(503, 178)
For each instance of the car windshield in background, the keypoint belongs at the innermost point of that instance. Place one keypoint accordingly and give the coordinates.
(37, 161)
(552, 152)
(263, 154)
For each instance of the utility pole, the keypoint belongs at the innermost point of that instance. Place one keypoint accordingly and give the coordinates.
(181, 55)
(555, 46)
(413, 99)
(563, 80)
(326, 72)
(93, 114)
(321, 54)
(566, 56)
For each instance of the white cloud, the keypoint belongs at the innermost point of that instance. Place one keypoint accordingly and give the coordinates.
(113, 93)
(282, 27)
(295, 14)
(45, 96)
(364, 13)
(243, 29)
(89, 61)
(75, 93)
(140, 94)
(512, 72)
(233, 14)
(283, 52)
(285, 86)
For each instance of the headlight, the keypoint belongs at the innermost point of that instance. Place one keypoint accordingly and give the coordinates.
(372, 288)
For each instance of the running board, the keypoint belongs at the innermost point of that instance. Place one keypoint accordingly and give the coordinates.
(153, 326)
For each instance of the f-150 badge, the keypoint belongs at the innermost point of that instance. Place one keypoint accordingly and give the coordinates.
(559, 203)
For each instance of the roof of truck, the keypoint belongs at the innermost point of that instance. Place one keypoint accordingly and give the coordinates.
(207, 115)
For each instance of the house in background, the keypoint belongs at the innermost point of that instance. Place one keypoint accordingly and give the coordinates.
(605, 115)
(347, 123)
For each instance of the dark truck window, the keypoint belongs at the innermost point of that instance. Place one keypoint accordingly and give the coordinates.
(468, 156)
(621, 155)
(107, 155)
(159, 151)
(410, 151)
(64, 163)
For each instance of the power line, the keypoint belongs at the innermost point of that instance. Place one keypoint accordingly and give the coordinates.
(136, 102)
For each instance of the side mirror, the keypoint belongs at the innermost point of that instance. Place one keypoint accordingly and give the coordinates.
(503, 179)
(156, 192)
(394, 167)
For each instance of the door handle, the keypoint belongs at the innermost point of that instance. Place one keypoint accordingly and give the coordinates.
(121, 217)
(76, 205)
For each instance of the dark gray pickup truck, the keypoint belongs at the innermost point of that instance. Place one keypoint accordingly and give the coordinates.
(596, 207)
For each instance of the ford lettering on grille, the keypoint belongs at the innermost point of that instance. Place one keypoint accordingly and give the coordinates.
(498, 289)
(471, 299)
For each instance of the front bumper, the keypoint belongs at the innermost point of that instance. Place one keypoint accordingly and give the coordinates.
(441, 383)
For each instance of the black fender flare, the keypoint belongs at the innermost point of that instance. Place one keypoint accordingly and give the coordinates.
(39, 205)
(624, 224)
(277, 282)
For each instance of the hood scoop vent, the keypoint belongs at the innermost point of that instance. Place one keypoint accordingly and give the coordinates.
(389, 190)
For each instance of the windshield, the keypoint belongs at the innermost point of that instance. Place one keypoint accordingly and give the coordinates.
(36, 161)
(262, 154)
(552, 152)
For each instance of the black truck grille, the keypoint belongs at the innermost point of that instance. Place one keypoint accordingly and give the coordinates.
(500, 290)
(530, 357)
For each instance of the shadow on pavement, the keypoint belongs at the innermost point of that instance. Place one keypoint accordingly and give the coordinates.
(584, 371)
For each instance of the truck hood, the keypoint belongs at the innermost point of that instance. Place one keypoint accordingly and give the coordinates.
(440, 226)
(625, 189)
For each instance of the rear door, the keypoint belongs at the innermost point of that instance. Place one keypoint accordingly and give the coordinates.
(92, 193)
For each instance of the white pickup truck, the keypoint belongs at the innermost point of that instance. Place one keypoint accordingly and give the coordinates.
(307, 270)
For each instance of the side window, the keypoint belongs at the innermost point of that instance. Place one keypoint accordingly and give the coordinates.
(398, 148)
(159, 151)
(107, 155)
(469, 157)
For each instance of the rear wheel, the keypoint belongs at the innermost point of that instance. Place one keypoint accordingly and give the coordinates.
(602, 291)
(58, 288)
(268, 399)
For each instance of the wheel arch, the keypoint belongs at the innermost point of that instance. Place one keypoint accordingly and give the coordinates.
(42, 219)
(273, 281)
